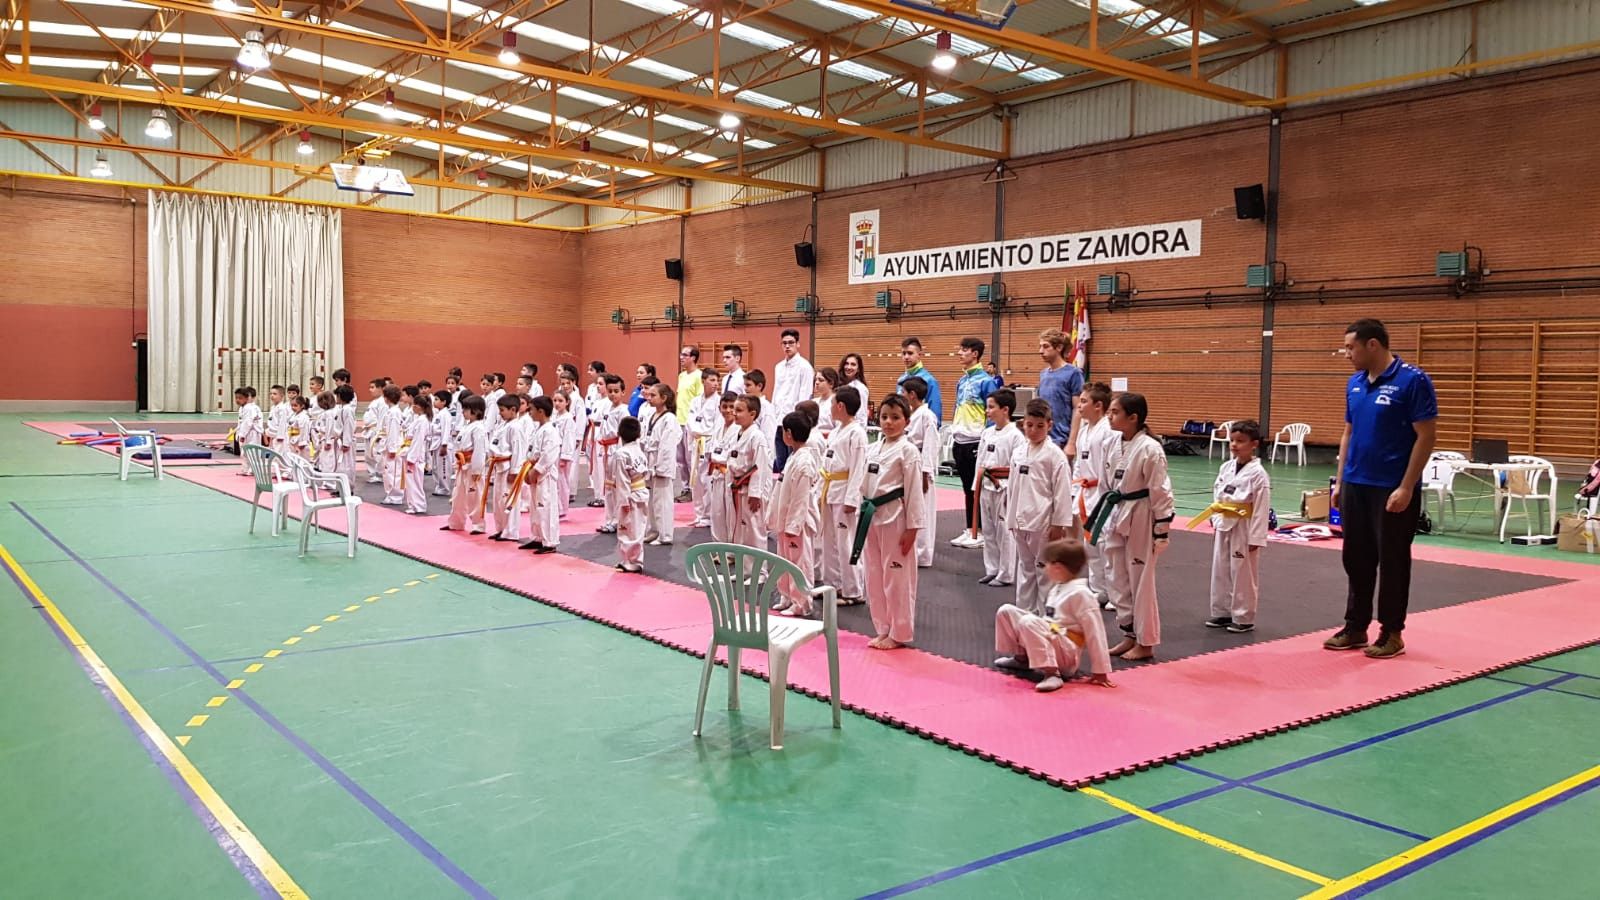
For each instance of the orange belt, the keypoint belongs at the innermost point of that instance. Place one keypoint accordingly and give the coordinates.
(488, 479)
(1083, 509)
(516, 483)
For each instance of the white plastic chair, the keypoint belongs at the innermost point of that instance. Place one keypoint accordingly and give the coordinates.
(1220, 436)
(741, 583)
(308, 480)
(1439, 479)
(1538, 477)
(1291, 437)
(263, 464)
(134, 441)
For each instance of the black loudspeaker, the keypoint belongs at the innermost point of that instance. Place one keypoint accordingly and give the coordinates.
(1250, 202)
(675, 269)
(805, 255)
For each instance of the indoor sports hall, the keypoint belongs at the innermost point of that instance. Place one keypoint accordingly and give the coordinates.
(799, 448)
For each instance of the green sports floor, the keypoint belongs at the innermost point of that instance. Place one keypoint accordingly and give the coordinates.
(419, 734)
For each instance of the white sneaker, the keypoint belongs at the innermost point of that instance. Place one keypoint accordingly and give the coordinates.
(975, 543)
(964, 539)
(1011, 662)
(1053, 683)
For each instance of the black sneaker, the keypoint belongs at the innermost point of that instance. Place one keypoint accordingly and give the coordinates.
(1241, 627)
(531, 545)
(1219, 622)
(1346, 639)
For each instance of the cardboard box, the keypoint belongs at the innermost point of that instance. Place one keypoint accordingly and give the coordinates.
(1578, 534)
(1314, 505)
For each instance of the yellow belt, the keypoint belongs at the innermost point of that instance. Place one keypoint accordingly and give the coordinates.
(638, 485)
(1226, 508)
(827, 479)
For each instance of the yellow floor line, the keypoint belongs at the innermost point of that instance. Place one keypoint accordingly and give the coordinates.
(1453, 836)
(225, 816)
(1207, 839)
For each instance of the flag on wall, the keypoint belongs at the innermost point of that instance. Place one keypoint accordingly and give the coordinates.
(1076, 324)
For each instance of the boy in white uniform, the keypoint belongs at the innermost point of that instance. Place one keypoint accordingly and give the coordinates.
(924, 432)
(440, 442)
(508, 449)
(1049, 644)
(991, 478)
(705, 424)
(1241, 503)
(597, 402)
(325, 419)
(608, 438)
(719, 497)
(628, 491)
(794, 516)
(1134, 519)
(844, 464)
(372, 420)
(1039, 505)
(346, 395)
(544, 478)
(891, 511)
(749, 475)
(249, 428)
(1095, 442)
(663, 437)
(471, 457)
(414, 456)
(278, 416)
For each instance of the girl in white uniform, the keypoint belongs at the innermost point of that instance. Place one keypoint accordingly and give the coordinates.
(749, 476)
(299, 428)
(663, 436)
(1039, 505)
(414, 452)
(248, 430)
(795, 517)
(471, 456)
(843, 466)
(1132, 521)
(891, 512)
(597, 404)
(325, 434)
(1241, 504)
(992, 477)
(567, 427)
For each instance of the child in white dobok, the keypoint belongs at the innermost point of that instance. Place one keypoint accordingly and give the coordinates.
(795, 516)
(1039, 505)
(996, 447)
(1049, 644)
(1132, 521)
(891, 514)
(1241, 504)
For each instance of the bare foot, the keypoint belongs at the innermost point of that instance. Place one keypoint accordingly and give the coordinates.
(1140, 652)
(889, 644)
(876, 643)
(1127, 644)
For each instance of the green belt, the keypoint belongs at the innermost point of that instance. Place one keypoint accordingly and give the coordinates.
(1107, 505)
(869, 506)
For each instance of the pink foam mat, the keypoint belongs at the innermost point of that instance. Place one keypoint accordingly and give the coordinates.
(1076, 735)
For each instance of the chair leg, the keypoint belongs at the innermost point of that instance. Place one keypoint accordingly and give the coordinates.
(351, 532)
(833, 676)
(1302, 455)
(733, 677)
(778, 676)
(125, 457)
(705, 687)
(155, 458)
(255, 507)
(305, 533)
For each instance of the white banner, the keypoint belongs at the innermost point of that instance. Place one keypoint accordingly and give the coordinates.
(1137, 243)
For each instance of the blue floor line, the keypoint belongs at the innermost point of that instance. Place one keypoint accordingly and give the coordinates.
(1299, 801)
(1549, 689)
(1560, 671)
(1187, 799)
(373, 805)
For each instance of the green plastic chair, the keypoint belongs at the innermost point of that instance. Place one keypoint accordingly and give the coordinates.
(741, 583)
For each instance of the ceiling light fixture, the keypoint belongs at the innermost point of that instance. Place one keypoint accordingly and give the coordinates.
(253, 53)
(158, 128)
(226, 6)
(102, 167)
(729, 122)
(96, 122)
(508, 49)
(305, 148)
(388, 111)
(483, 180)
(943, 60)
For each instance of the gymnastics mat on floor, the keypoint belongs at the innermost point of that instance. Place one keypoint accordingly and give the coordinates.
(1076, 735)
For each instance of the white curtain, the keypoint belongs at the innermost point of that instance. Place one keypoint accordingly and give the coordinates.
(230, 273)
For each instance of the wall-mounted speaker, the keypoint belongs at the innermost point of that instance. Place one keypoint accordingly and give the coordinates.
(805, 255)
(1250, 202)
(675, 269)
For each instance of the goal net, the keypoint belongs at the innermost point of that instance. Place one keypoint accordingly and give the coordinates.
(261, 368)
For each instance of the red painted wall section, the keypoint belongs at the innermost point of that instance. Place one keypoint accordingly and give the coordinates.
(66, 353)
